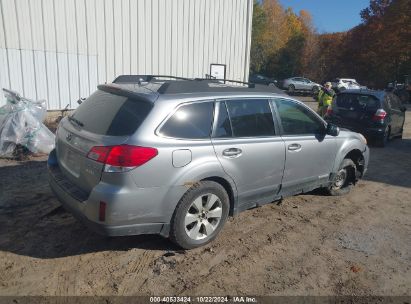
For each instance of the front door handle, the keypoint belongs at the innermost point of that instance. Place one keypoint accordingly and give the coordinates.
(294, 147)
(232, 152)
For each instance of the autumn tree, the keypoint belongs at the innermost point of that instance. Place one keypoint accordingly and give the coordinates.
(282, 41)
(375, 52)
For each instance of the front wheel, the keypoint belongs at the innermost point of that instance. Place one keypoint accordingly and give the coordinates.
(291, 89)
(344, 179)
(200, 215)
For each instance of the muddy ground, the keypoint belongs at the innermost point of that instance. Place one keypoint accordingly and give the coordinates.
(359, 244)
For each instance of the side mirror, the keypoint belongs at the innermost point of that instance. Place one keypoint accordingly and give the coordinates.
(403, 109)
(332, 129)
(80, 100)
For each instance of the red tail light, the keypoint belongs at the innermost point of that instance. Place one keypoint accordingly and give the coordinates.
(99, 154)
(123, 157)
(379, 115)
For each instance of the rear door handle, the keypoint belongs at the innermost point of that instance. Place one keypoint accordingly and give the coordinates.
(232, 152)
(294, 147)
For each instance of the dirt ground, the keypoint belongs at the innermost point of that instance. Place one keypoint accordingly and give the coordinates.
(359, 244)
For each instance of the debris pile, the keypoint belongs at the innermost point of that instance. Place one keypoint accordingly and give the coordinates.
(21, 124)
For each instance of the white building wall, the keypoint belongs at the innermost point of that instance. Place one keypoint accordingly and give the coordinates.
(59, 50)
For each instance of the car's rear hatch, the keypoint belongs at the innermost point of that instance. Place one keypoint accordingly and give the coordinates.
(354, 111)
(104, 119)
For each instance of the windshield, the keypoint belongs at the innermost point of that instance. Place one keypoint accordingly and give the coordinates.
(108, 114)
(358, 102)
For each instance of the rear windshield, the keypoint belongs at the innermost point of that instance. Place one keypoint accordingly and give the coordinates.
(108, 114)
(358, 102)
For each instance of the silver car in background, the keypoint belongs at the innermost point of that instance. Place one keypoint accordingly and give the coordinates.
(341, 84)
(300, 84)
(177, 157)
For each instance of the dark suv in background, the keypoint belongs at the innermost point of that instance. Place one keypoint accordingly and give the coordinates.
(260, 79)
(378, 115)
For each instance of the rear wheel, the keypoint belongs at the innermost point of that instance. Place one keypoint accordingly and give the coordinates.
(200, 215)
(344, 179)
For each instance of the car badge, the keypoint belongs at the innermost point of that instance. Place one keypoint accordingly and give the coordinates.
(69, 136)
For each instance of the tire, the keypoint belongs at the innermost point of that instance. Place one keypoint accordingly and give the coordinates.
(315, 90)
(347, 171)
(382, 142)
(271, 84)
(291, 89)
(190, 227)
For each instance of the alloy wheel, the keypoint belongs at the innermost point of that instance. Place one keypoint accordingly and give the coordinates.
(203, 216)
(340, 179)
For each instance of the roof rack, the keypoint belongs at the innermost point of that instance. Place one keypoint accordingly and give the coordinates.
(143, 78)
(213, 86)
(148, 78)
(176, 85)
(249, 84)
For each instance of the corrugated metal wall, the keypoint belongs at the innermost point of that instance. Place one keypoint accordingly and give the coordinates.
(59, 50)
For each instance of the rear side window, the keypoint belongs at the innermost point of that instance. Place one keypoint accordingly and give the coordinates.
(191, 121)
(358, 102)
(108, 114)
(250, 117)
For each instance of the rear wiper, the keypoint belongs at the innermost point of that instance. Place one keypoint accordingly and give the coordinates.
(78, 122)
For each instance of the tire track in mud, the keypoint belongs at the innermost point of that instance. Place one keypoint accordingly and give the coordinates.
(66, 283)
(293, 248)
(241, 249)
(137, 272)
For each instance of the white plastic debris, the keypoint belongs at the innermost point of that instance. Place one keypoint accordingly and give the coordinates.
(21, 123)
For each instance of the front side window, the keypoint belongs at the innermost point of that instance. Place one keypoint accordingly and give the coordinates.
(296, 119)
(250, 117)
(190, 121)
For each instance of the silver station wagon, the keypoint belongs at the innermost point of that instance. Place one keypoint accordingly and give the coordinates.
(176, 157)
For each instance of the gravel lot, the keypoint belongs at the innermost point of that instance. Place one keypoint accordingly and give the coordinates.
(310, 244)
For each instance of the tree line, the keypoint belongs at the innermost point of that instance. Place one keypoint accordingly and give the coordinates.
(377, 51)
